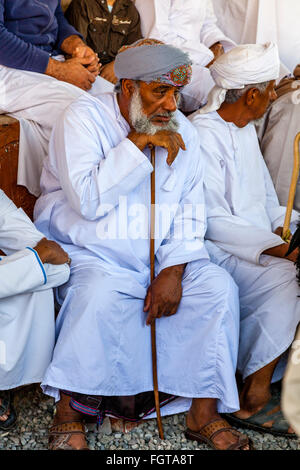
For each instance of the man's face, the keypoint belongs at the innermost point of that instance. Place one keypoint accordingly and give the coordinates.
(152, 107)
(263, 101)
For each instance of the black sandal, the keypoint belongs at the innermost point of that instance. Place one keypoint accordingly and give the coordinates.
(5, 406)
(270, 412)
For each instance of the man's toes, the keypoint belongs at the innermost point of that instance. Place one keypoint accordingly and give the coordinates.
(225, 439)
(268, 424)
(77, 442)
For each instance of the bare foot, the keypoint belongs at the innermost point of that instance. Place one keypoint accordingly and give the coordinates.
(121, 425)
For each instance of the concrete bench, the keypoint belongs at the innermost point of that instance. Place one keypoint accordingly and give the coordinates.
(9, 150)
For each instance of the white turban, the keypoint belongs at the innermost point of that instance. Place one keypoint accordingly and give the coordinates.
(244, 65)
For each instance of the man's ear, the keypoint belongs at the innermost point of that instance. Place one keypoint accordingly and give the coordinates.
(128, 87)
(251, 96)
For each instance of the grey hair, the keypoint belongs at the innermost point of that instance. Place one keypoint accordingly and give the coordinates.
(232, 96)
(118, 86)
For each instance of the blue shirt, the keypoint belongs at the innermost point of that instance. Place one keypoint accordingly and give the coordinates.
(30, 31)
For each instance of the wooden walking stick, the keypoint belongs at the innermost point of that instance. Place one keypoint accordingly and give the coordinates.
(152, 266)
(286, 234)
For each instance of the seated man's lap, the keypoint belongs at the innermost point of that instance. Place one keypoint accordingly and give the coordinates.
(104, 312)
(22, 90)
(92, 277)
(268, 291)
(206, 278)
(272, 274)
(106, 291)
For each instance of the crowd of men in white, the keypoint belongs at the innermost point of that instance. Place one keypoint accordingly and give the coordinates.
(83, 152)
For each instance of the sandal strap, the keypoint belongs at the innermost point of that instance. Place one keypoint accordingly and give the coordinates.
(69, 427)
(214, 427)
(5, 402)
(271, 412)
(260, 416)
(217, 426)
(242, 442)
(60, 434)
(60, 443)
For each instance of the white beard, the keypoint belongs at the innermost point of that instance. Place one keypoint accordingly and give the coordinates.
(141, 123)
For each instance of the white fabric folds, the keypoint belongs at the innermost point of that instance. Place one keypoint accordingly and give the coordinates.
(244, 65)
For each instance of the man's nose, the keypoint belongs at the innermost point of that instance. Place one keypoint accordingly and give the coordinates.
(170, 103)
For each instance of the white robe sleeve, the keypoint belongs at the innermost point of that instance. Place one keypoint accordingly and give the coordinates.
(231, 233)
(210, 33)
(22, 270)
(93, 175)
(20, 273)
(185, 241)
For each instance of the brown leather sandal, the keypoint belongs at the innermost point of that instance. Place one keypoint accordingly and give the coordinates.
(60, 434)
(212, 429)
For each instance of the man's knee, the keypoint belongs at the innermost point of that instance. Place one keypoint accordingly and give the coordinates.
(94, 290)
(210, 280)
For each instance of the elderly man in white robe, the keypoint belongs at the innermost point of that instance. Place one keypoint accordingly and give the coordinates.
(251, 21)
(244, 219)
(190, 25)
(96, 201)
(31, 267)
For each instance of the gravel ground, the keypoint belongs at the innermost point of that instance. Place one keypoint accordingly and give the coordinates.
(35, 415)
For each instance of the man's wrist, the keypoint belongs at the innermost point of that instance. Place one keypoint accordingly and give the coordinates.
(71, 43)
(43, 253)
(51, 67)
(176, 271)
(279, 251)
(140, 140)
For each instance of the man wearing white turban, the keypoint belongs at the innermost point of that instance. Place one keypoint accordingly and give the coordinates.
(245, 65)
(95, 200)
(246, 21)
(244, 220)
